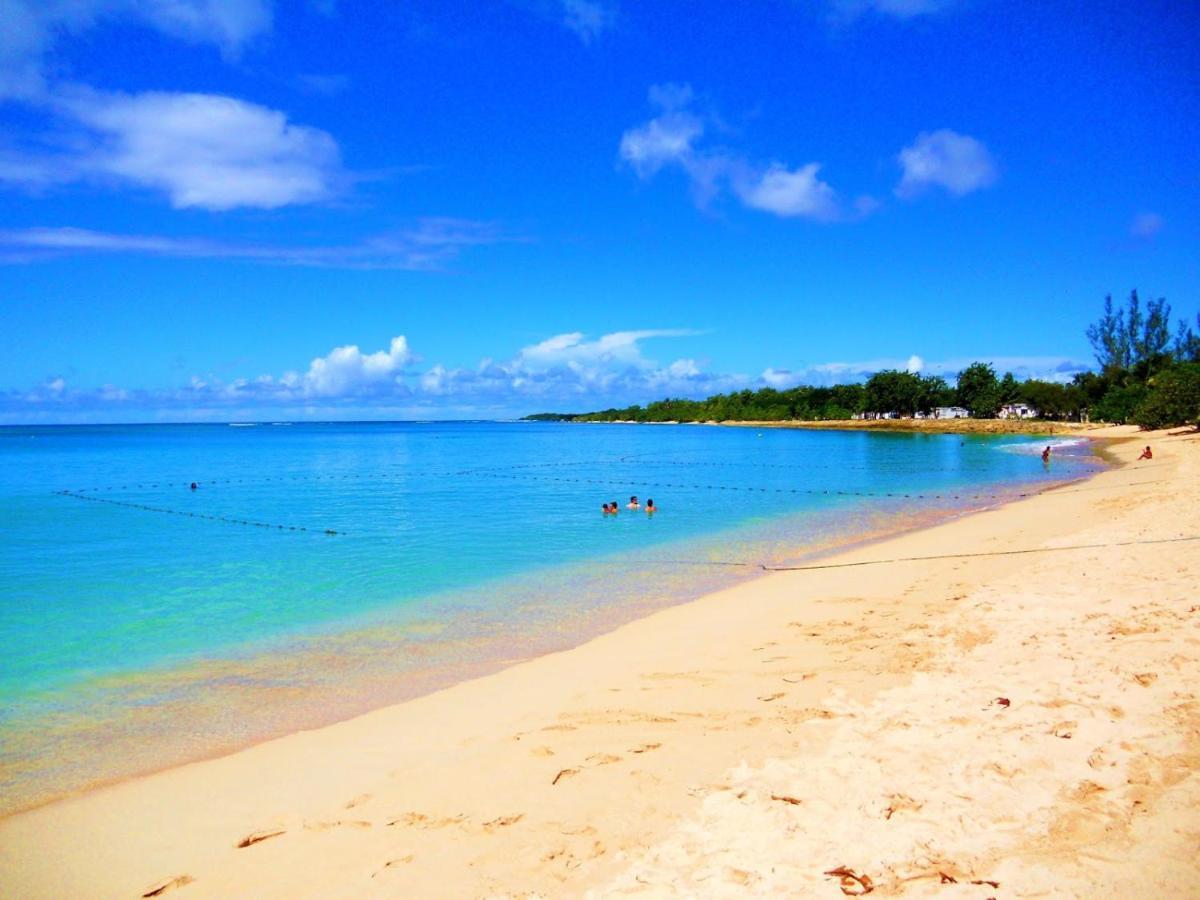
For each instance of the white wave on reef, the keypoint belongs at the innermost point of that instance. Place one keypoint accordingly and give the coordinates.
(1034, 448)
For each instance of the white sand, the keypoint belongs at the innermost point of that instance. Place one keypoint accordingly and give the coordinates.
(746, 743)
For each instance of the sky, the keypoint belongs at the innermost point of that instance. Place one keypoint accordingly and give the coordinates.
(225, 210)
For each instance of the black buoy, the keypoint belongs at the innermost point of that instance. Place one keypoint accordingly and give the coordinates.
(193, 485)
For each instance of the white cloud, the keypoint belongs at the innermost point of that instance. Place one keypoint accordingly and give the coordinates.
(914, 364)
(347, 370)
(564, 372)
(665, 139)
(587, 18)
(427, 246)
(203, 150)
(956, 162)
(32, 28)
(621, 348)
(790, 193)
(671, 139)
(1146, 225)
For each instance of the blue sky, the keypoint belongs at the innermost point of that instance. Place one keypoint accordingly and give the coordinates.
(318, 209)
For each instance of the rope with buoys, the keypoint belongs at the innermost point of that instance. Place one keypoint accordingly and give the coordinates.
(196, 515)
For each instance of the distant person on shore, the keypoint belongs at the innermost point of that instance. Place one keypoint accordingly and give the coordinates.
(651, 509)
(633, 503)
(1147, 453)
(1046, 455)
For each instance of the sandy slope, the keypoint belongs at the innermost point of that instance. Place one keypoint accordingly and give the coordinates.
(746, 743)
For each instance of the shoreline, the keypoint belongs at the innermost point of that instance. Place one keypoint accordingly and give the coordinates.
(305, 712)
(666, 704)
(914, 426)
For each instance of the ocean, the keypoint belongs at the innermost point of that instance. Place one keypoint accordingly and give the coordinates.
(317, 571)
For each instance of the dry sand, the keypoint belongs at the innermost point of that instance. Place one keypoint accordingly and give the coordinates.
(925, 727)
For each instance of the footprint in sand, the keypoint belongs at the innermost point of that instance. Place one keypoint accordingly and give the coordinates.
(542, 751)
(392, 863)
(645, 748)
(168, 884)
(258, 837)
(361, 798)
(602, 759)
(420, 820)
(767, 698)
(503, 821)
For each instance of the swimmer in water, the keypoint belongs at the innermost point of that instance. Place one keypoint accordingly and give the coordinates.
(650, 507)
(613, 508)
(633, 503)
(1046, 455)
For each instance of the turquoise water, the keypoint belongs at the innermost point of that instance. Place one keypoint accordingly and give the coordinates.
(318, 570)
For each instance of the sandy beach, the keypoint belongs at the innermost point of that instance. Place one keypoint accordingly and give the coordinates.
(1004, 705)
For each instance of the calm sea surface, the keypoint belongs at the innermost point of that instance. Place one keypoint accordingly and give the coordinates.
(320, 570)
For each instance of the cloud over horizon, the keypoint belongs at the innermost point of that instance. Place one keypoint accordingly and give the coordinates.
(564, 372)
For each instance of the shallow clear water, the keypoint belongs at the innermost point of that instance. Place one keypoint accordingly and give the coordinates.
(144, 622)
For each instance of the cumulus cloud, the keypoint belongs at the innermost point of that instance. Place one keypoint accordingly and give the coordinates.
(787, 193)
(673, 138)
(587, 18)
(200, 150)
(945, 159)
(1146, 225)
(32, 27)
(565, 372)
(347, 369)
(428, 245)
(663, 140)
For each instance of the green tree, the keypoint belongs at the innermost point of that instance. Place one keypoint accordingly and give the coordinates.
(979, 390)
(892, 391)
(1125, 336)
(1173, 398)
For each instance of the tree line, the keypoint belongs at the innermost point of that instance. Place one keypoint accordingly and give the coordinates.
(1147, 376)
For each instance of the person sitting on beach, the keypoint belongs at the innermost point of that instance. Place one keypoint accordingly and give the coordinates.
(650, 507)
(633, 503)
(1046, 455)
(1146, 454)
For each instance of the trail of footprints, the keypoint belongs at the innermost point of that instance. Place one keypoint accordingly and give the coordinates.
(559, 853)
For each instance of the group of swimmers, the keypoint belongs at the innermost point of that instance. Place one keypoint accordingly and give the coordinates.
(611, 509)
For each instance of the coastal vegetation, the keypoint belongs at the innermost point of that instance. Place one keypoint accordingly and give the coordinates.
(1145, 376)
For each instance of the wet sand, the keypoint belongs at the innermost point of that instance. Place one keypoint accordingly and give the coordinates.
(923, 726)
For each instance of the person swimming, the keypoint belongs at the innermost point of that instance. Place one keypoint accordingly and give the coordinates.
(605, 509)
(613, 508)
(650, 507)
(1046, 455)
(633, 503)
